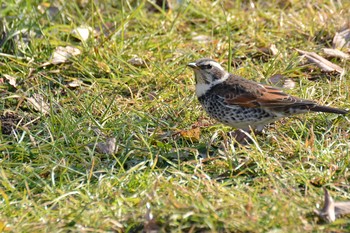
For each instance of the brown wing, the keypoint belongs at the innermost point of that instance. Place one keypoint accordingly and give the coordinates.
(245, 93)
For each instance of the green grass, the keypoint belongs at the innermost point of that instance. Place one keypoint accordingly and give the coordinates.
(52, 179)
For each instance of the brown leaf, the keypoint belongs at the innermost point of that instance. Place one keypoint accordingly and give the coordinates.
(321, 62)
(342, 39)
(191, 134)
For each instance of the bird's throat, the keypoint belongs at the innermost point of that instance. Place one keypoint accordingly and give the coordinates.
(202, 88)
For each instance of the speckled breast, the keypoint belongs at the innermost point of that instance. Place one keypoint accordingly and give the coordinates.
(233, 115)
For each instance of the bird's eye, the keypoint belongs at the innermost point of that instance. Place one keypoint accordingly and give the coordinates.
(206, 67)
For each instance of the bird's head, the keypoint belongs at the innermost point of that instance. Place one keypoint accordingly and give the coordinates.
(207, 73)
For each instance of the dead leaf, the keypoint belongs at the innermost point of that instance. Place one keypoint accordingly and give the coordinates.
(83, 33)
(191, 134)
(336, 53)
(37, 101)
(11, 80)
(202, 38)
(321, 62)
(62, 54)
(327, 212)
(108, 147)
(271, 50)
(137, 61)
(332, 209)
(75, 83)
(310, 140)
(281, 81)
(342, 39)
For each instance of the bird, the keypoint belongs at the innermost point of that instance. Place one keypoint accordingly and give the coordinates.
(244, 104)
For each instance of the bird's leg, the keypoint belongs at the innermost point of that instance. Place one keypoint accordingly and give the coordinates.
(240, 136)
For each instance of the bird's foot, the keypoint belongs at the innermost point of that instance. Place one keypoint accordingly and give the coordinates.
(240, 137)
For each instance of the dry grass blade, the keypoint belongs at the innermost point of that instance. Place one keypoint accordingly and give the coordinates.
(321, 62)
(336, 53)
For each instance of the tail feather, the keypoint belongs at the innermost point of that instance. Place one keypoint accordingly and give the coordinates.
(320, 108)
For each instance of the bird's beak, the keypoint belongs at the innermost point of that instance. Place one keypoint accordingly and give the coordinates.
(192, 65)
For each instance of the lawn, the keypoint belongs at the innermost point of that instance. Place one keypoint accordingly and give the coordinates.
(109, 136)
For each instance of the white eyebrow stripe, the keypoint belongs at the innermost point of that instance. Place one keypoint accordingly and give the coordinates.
(217, 65)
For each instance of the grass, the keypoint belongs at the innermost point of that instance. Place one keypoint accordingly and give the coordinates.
(53, 179)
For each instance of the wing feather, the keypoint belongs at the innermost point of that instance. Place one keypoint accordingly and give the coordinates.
(250, 94)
